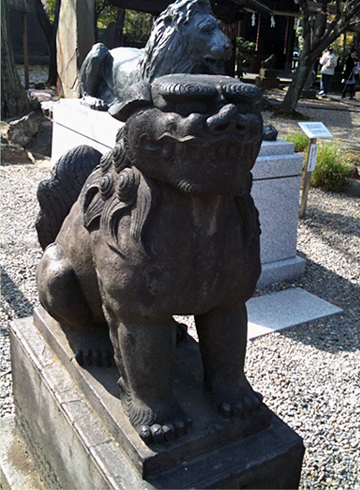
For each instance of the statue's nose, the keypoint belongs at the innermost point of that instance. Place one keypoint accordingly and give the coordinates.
(227, 118)
(222, 49)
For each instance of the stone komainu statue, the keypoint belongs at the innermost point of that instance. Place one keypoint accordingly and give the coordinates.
(186, 38)
(163, 224)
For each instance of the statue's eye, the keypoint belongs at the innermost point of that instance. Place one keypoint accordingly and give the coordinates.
(148, 143)
(207, 29)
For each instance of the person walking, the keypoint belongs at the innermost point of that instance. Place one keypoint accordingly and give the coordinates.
(328, 62)
(351, 69)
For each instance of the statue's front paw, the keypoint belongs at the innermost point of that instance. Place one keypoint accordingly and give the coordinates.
(159, 421)
(246, 403)
(235, 399)
(167, 431)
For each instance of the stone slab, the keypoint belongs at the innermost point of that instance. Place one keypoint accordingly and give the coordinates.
(277, 166)
(284, 309)
(73, 447)
(278, 147)
(76, 124)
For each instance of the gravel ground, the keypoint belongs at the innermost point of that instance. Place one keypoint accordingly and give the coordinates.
(342, 118)
(309, 375)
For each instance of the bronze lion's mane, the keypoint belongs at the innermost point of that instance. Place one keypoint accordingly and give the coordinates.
(167, 40)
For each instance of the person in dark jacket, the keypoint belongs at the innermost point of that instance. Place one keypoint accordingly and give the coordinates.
(351, 69)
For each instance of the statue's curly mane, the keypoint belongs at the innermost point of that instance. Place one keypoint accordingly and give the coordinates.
(167, 40)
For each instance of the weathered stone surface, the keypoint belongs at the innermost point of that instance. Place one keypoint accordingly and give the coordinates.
(75, 37)
(42, 140)
(13, 154)
(21, 131)
(352, 188)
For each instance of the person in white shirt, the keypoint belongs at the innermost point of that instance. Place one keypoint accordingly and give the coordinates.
(328, 62)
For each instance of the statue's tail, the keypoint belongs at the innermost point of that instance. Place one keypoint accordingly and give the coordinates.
(58, 193)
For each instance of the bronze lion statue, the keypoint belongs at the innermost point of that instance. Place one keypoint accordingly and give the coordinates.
(164, 224)
(186, 38)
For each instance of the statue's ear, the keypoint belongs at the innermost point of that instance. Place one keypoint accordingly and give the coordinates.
(137, 96)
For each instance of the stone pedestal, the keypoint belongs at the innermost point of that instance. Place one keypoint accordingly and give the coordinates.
(276, 191)
(78, 436)
(268, 79)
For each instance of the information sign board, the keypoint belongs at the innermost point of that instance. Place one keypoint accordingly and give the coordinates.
(312, 157)
(315, 130)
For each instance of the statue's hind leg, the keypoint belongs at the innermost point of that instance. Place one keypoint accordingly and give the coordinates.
(61, 295)
(222, 338)
(144, 354)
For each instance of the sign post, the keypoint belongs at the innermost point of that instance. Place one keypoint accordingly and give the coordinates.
(313, 130)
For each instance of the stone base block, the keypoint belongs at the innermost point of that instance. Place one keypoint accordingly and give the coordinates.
(357, 95)
(289, 269)
(267, 83)
(79, 437)
(268, 73)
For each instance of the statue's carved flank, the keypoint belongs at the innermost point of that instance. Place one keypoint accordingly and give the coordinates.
(186, 38)
(164, 225)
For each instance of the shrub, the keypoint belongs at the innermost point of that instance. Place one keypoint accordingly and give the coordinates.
(300, 140)
(333, 169)
(243, 54)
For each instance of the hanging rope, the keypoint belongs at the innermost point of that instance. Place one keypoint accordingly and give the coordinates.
(286, 33)
(258, 34)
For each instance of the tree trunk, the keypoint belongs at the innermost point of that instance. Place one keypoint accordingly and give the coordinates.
(50, 30)
(13, 96)
(293, 94)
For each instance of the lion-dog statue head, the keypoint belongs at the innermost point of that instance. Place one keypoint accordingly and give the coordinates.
(186, 38)
(165, 225)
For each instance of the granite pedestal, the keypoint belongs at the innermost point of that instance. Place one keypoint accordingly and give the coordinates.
(78, 436)
(276, 190)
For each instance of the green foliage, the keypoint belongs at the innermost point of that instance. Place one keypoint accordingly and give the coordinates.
(49, 7)
(333, 167)
(338, 45)
(244, 52)
(106, 13)
(300, 140)
(137, 25)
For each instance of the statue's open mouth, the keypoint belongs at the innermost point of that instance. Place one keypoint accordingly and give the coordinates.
(197, 148)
